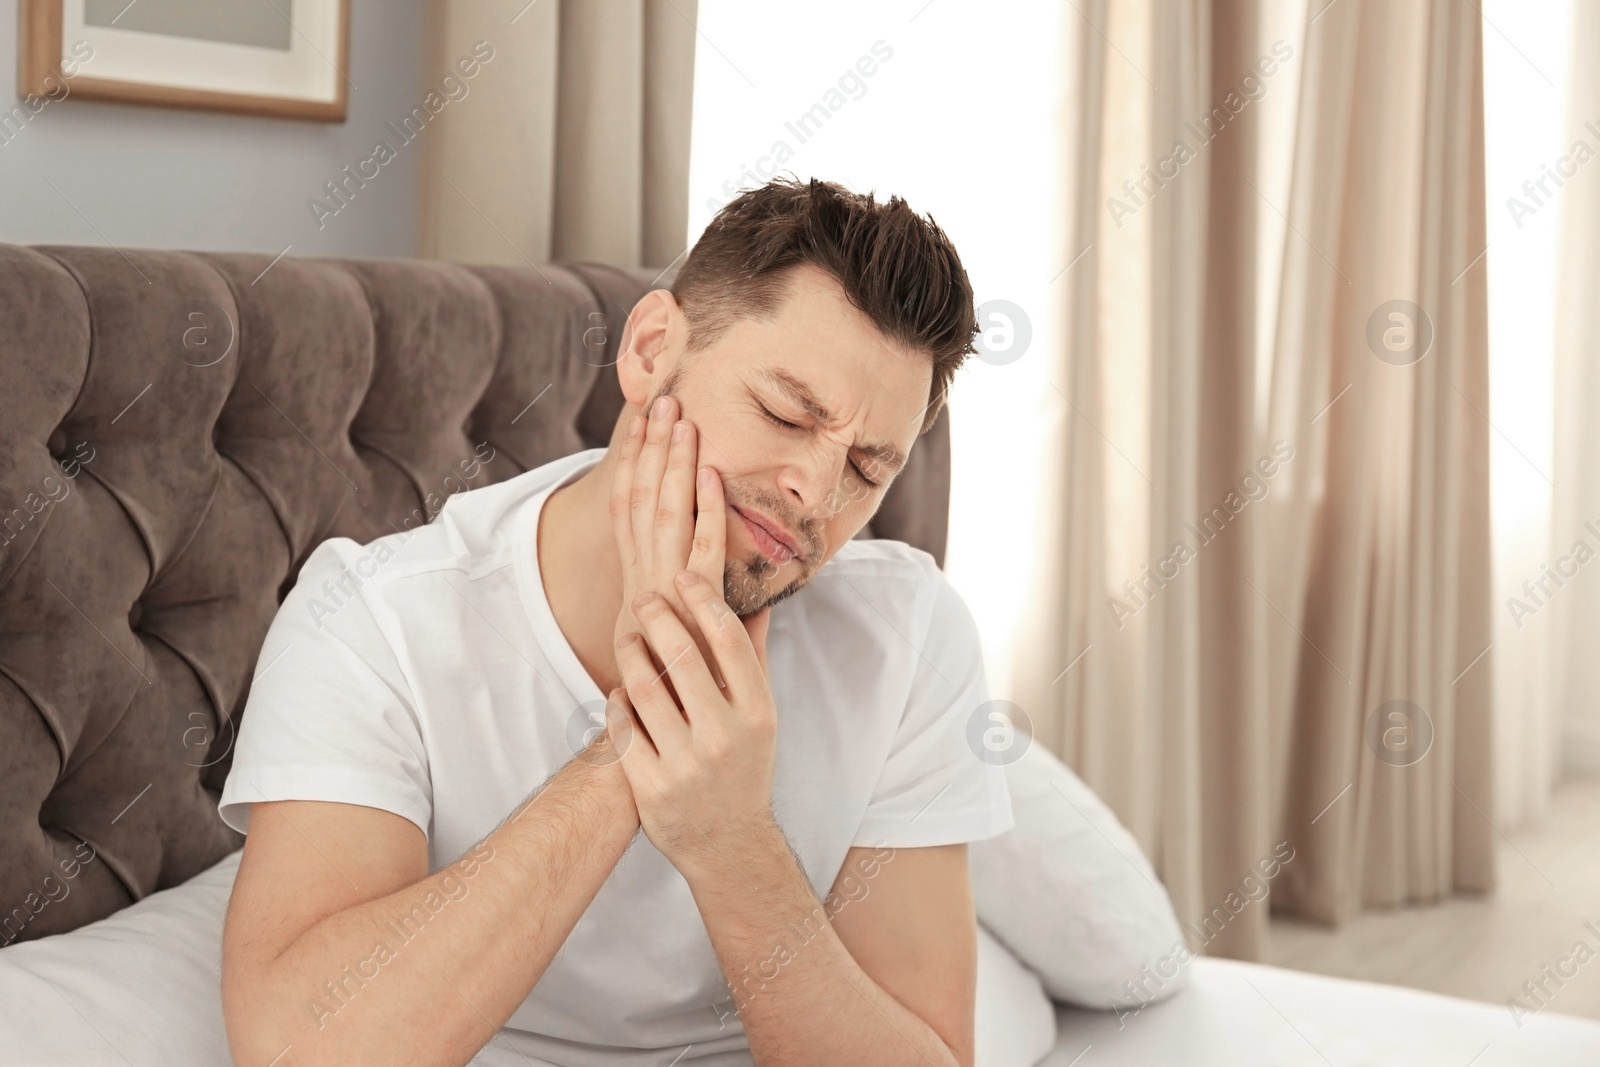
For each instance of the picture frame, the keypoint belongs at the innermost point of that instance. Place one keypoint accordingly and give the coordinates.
(275, 58)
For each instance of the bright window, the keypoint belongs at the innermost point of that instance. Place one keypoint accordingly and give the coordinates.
(963, 117)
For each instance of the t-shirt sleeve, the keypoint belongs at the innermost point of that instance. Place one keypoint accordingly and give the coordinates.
(936, 788)
(330, 715)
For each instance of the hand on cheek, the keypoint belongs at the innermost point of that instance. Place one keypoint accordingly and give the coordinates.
(653, 502)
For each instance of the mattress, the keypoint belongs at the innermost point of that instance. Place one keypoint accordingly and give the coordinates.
(1249, 1015)
(141, 988)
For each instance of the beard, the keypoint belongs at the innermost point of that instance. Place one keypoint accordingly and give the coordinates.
(746, 585)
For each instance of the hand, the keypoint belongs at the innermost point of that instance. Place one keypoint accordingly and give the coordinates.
(700, 765)
(653, 498)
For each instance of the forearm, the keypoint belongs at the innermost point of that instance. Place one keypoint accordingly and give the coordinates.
(427, 974)
(801, 996)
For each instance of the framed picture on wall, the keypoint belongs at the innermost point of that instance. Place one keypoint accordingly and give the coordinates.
(284, 58)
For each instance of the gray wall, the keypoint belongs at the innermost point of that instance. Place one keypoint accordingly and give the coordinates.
(143, 177)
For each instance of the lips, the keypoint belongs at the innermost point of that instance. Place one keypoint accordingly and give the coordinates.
(772, 537)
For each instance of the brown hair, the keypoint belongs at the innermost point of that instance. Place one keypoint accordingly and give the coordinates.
(898, 268)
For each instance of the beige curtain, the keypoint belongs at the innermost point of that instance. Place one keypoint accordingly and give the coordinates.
(1575, 603)
(1264, 532)
(571, 143)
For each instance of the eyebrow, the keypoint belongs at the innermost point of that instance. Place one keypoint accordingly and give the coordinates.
(797, 391)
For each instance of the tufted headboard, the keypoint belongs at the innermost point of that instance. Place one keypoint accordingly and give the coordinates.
(178, 431)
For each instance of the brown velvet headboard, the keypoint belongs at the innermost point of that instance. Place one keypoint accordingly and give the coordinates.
(178, 431)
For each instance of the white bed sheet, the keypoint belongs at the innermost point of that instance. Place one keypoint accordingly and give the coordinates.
(1249, 1015)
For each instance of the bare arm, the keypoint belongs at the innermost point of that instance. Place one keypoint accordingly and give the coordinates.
(907, 917)
(883, 971)
(340, 948)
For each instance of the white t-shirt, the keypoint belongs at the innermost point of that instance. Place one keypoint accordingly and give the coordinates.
(425, 674)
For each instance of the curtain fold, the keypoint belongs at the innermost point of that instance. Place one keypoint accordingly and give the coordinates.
(1266, 527)
(572, 143)
(1391, 496)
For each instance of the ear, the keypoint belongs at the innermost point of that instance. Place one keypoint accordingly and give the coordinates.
(652, 326)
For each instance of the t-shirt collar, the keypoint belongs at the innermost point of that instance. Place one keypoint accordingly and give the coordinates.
(530, 582)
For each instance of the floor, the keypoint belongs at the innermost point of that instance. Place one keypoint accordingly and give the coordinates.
(1485, 949)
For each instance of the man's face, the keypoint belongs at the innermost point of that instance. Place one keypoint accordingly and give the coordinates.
(855, 401)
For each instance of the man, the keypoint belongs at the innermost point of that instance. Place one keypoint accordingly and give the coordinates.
(800, 770)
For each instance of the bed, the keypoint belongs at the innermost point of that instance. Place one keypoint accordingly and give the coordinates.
(140, 987)
(179, 432)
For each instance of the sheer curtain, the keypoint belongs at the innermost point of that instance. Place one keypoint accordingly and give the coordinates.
(1526, 78)
(1251, 560)
(1573, 596)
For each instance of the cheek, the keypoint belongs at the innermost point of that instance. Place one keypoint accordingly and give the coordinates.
(849, 513)
(739, 456)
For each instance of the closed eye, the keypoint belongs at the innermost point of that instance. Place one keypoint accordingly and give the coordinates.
(781, 422)
(786, 424)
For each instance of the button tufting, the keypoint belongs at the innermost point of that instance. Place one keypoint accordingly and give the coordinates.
(57, 445)
(135, 615)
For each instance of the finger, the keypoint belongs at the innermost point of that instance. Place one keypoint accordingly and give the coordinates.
(674, 528)
(630, 742)
(647, 692)
(647, 479)
(684, 661)
(708, 557)
(742, 669)
(710, 553)
(622, 490)
(756, 627)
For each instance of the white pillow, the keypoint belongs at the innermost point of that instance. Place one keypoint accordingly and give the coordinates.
(1069, 891)
(144, 987)
(1016, 1023)
(141, 986)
